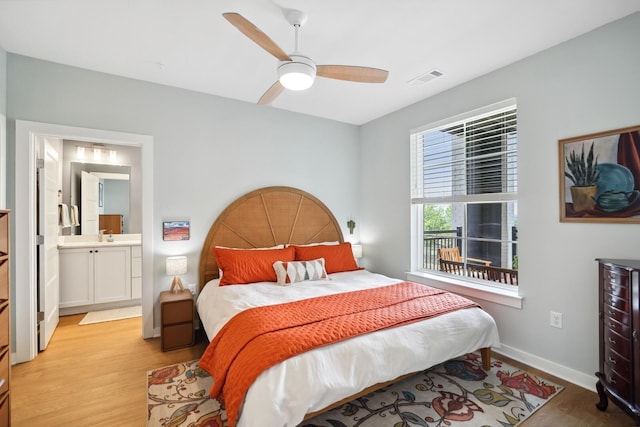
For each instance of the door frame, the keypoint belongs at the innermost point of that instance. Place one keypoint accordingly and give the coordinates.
(3, 161)
(24, 223)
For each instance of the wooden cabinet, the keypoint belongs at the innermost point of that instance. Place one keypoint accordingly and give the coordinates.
(619, 326)
(5, 319)
(94, 275)
(176, 319)
(112, 223)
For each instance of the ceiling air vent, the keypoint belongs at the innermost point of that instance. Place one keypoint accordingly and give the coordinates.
(426, 77)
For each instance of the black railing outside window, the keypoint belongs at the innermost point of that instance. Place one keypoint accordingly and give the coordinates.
(436, 239)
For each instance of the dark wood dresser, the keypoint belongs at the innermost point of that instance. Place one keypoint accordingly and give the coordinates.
(619, 319)
(5, 321)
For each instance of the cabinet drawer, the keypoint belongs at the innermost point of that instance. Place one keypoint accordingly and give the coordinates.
(616, 290)
(136, 251)
(177, 312)
(136, 267)
(619, 315)
(4, 325)
(617, 382)
(617, 327)
(174, 336)
(4, 370)
(616, 276)
(617, 343)
(618, 364)
(617, 302)
(4, 279)
(4, 409)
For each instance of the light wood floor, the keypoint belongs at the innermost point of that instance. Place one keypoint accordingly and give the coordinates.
(96, 375)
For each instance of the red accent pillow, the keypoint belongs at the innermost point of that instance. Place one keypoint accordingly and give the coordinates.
(337, 258)
(241, 266)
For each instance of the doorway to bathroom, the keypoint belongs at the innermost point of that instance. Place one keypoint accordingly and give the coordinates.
(26, 307)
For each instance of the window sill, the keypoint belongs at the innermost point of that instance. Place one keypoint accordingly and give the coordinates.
(468, 288)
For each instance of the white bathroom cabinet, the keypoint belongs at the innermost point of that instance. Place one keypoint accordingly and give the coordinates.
(95, 275)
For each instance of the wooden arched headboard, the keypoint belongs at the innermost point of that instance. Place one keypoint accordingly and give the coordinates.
(267, 217)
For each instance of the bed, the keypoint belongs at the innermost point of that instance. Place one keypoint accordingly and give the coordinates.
(314, 381)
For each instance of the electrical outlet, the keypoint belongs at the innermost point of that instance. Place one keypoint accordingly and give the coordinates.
(556, 319)
(192, 288)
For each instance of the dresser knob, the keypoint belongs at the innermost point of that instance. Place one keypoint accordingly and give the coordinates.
(635, 335)
(612, 341)
(611, 380)
(611, 360)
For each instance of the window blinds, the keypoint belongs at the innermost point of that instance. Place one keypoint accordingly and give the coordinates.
(473, 159)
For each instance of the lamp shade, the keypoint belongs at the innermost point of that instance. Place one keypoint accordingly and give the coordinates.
(176, 265)
(357, 251)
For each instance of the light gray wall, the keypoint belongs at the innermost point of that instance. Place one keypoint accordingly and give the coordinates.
(208, 150)
(586, 85)
(3, 81)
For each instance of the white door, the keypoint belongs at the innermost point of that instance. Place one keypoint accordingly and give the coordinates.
(89, 203)
(48, 280)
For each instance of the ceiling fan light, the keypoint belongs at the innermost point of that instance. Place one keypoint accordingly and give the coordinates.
(295, 75)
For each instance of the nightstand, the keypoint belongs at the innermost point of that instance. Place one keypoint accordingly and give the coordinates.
(176, 319)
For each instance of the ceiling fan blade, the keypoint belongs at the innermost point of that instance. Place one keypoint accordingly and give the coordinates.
(352, 73)
(271, 93)
(255, 34)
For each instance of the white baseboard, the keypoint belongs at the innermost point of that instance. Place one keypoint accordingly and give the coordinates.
(560, 371)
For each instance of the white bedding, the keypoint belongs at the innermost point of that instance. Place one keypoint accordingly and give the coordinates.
(285, 393)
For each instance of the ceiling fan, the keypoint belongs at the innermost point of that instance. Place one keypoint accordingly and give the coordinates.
(297, 71)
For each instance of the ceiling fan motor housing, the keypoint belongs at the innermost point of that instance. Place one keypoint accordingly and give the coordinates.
(297, 74)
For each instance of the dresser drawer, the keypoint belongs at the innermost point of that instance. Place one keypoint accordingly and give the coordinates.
(617, 382)
(617, 302)
(4, 325)
(616, 290)
(4, 409)
(4, 370)
(617, 327)
(617, 343)
(4, 279)
(617, 363)
(177, 312)
(616, 276)
(618, 315)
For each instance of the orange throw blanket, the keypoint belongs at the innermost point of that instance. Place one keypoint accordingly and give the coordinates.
(261, 337)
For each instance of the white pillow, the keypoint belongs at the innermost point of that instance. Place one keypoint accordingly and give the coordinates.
(298, 271)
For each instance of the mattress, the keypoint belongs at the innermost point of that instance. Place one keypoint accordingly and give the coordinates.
(283, 394)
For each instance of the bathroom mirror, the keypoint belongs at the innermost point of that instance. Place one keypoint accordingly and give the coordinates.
(113, 194)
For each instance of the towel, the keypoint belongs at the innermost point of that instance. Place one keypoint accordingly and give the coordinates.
(74, 215)
(64, 220)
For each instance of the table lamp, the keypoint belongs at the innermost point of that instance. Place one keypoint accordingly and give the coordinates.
(176, 265)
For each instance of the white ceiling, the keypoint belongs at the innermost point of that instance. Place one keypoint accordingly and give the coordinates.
(188, 44)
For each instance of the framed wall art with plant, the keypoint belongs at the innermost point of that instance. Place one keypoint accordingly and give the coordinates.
(600, 177)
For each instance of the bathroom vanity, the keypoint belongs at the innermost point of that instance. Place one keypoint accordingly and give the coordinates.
(99, 275)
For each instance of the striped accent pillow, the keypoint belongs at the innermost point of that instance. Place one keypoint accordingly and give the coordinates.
(298, 271)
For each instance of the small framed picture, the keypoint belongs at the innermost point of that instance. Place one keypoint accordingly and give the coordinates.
(175, 230)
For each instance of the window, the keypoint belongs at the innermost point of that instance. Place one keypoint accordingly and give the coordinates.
(464, 186)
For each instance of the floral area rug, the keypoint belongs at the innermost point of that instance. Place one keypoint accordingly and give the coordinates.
(455, 393)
